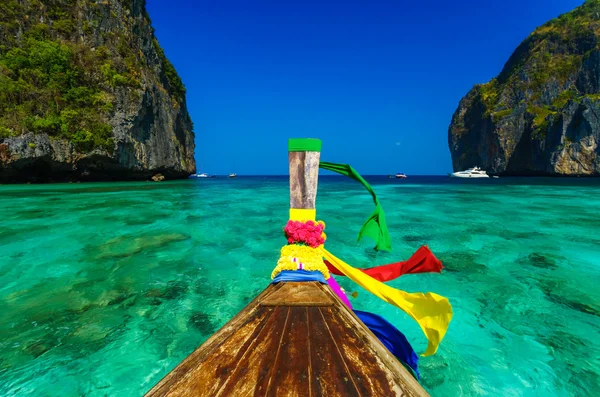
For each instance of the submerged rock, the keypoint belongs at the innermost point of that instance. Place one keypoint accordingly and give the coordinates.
(540, 260)
(37, 348)
(541, 115)
(125, 246)
(88, 94)
(203, 323)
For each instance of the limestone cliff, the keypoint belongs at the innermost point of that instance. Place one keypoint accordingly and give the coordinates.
(86, 93)
(541, 115)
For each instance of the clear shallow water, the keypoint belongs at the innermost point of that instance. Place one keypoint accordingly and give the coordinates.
(106, 287)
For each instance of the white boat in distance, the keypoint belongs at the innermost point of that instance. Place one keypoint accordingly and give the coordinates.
(203, 175)
(232, 175)
(474, 172)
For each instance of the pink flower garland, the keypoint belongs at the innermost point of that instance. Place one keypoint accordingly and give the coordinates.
(309, 232)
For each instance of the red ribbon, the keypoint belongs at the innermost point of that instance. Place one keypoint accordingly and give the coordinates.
(422, 261)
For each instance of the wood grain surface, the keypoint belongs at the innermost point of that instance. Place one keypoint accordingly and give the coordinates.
(294, 339)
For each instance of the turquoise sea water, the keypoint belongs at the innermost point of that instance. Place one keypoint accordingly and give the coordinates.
(106, 287)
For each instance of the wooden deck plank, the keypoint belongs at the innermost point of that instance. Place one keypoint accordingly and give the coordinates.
(298, 294)
(330, 375)
(368, 372)
(291, 376)
(270, 356)
(253, 371)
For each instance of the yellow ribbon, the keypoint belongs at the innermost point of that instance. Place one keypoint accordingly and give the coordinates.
(431, 311)
(303, 215)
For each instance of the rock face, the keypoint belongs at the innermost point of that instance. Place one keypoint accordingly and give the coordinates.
(541, 115)
(86, 93)
(158, 178)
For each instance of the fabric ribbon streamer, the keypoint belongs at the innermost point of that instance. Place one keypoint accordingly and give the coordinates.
(301, 214)
(431, 311)
(338, 291)
(422, 261)
(389, 335)
(299, 276)
(392, 339)
(375, 227)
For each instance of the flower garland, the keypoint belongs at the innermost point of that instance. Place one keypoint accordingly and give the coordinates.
(304, 249)
(309, 232)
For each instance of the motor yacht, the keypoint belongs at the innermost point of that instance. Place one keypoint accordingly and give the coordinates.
(474, 172)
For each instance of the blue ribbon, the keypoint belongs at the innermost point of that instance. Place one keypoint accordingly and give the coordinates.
(299, 275)
(394, 340)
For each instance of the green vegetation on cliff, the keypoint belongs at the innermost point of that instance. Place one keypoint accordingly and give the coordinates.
(60, 77)
(544, 67)
(541, 114)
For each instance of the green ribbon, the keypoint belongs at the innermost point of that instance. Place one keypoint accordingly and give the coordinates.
(375, 227)
(304, 145)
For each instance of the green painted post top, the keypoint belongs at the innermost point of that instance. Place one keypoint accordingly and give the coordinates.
(304, 145)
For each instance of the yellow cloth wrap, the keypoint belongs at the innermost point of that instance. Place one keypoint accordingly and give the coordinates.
(301, 214)
(431, 311)
(311, 258)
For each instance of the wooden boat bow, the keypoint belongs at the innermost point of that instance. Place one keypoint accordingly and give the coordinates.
(294, 339)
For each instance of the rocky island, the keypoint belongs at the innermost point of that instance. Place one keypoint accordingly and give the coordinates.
(86, 93)
(541, 115)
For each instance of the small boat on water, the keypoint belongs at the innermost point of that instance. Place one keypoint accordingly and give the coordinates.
(232, 175)
(203, 175)
(400, 176)
(301, 336)
(474, 172)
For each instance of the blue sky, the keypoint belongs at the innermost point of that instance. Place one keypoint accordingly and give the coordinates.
(377, 81)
